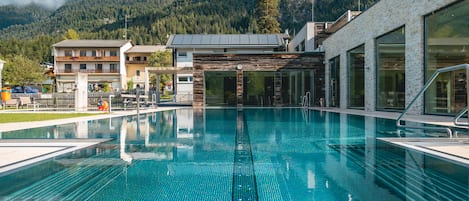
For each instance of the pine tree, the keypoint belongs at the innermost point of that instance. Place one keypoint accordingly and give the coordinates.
(267, 11)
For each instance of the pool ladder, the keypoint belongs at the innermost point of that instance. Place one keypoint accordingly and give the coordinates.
(425, 87)
(306, 102)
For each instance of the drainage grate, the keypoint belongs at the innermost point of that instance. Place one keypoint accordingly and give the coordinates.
(244, 180)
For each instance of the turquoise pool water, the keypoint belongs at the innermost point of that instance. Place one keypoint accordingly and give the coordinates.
(228, 154)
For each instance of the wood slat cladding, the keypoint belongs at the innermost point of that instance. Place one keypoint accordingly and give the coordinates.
(250, 62)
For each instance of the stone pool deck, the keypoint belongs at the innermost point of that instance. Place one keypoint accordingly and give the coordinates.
(455, 149)
(16, 154)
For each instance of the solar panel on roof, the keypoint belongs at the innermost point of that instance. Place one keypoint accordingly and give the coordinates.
(244, 39)
(177, 40)
(253, 40)
(197, 40)
(234, 39)
(205, 39)
(187, 39)
(272, 39)
(214, 40)
(224, 40)
(262, 39)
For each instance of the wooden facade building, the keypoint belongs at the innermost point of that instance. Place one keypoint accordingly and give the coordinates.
(278, 65)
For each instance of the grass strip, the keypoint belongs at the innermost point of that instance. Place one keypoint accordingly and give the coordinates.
(27, 117)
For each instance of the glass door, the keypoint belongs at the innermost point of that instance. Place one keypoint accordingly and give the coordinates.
(220, 88)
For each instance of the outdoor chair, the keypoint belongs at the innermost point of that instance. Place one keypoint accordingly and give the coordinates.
(26, 101)
(11, 102)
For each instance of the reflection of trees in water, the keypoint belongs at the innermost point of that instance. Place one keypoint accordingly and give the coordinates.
(449, 22)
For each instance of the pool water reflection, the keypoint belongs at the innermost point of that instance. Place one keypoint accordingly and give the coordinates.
(189, 154)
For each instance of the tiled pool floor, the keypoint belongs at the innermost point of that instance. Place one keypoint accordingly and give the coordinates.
(19, 153)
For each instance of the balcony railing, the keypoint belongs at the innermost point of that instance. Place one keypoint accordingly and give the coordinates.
(136, 62)
(87, 58)
(59, 71)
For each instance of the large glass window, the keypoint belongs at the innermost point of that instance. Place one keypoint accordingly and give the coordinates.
(334, 82)
(296, 83)
(292, 85)
(220, 88)
(447, 44)
(356, 79)
(258, 88)
(391, 70)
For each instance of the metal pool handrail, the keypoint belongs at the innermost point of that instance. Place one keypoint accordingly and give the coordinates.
(306, 99)
(425, 87)
(458, 116)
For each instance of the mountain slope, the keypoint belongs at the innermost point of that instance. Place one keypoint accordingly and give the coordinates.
(20, 15)
(150, 21)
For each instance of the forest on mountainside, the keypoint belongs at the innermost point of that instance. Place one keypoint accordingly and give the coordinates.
(151, 21)
(20, 15)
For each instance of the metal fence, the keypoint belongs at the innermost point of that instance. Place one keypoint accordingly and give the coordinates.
(66, 101)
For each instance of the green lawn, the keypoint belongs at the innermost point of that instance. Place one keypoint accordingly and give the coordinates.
(25, 117)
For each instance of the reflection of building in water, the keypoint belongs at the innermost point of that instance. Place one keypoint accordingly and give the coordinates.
(158, 136)
(102, 128)
(137, 128)
(185, 123)
(185, 130)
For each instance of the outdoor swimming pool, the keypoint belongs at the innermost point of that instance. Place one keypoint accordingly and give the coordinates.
(230, 154)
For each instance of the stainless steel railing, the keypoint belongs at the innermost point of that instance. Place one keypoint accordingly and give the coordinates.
(458, 116)
(306, 102)
(425, 87)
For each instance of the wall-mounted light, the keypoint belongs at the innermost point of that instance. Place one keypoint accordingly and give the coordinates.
(239, 67)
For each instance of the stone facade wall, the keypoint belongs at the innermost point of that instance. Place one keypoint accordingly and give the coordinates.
(249, 62)
(384, 17)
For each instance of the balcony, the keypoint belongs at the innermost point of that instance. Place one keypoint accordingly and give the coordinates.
(89, 71)
(136, 62)
(78, 59)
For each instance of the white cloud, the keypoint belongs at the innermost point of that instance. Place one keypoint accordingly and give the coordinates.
(48, 3)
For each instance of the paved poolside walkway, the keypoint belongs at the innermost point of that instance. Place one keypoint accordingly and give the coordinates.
(4, 127)
(430, 119)
(455, 149)
(15, 154)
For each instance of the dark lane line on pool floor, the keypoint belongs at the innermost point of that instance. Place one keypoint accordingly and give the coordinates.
(244, 181)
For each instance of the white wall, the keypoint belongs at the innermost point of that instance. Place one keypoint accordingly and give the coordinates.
(184, 61)
(306, 34)
(122, 67)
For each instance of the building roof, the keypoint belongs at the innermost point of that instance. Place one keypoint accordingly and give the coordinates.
(146, 49)
(225, 41)
(91, 43)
